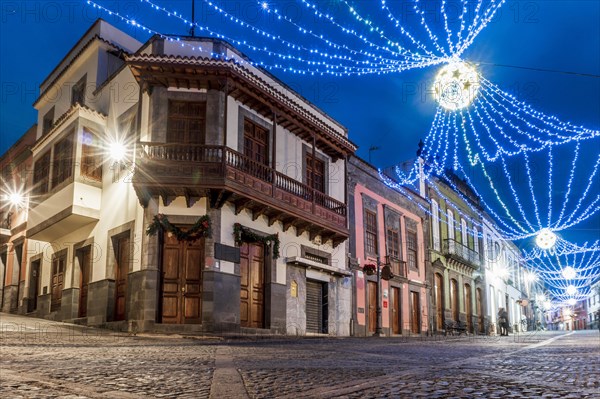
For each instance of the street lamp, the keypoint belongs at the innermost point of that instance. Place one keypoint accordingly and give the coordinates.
(386, 274)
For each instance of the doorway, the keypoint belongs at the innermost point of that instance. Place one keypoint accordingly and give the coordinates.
(469, 307)
(34, 286)
(439, 302)
(121, 248)
(316, 307)
(85, 263)
(415, 314)
(252, 285)
(395, 309)
(182, 281)
(372, 292)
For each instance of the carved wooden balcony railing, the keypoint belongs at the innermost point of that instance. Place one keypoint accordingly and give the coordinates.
(457, 251)
(398, 266)
(193, 171)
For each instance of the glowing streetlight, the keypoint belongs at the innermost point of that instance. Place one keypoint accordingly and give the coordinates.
(117, 151)
(571, 290)
(547, 305)
(572, 301)
(569, 273)
(545, 239)
(530, 277)
(456, 85)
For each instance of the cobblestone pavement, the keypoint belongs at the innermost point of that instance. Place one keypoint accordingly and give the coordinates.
(43, 359)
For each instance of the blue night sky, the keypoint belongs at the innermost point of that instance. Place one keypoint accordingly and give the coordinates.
(390, 111)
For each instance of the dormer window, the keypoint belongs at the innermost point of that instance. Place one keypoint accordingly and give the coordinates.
(78, 92)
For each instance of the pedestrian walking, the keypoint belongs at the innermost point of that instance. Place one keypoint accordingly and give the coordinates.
(503, 321)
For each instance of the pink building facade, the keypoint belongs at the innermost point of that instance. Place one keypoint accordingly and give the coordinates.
(392, 227)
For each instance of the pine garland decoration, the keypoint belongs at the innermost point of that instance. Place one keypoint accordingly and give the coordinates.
(244, 234)
(199, 230)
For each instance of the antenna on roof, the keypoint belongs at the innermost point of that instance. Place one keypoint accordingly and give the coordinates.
(193, 19)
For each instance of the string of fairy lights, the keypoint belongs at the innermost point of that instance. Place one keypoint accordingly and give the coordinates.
(498, 145)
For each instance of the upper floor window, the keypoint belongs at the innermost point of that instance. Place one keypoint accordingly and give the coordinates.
(435, 224)
(48, 121)
(62, 167)
(393, 242)
(256, 142)
(186, 122)
(476, 239)
(315, 173)
(91, 156)
(78, 91)
(41, 174)
(463, 232)
(411, 250)
(370, 232)
(450, 224)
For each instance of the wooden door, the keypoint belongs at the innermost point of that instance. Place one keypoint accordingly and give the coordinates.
(34, 286)
(415, 319)
(372, 292)
(479, 305)
(121, 270)
(439, 302)
(182, 281)
(85, 259)
(57, 282)
(252, 271)
(395, 309)
(469, 307)
(454, 310)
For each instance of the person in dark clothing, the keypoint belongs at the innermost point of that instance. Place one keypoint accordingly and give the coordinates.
(503, 321)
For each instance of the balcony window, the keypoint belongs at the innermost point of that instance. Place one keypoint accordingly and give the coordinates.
(91, 156)
(256, 142)
(370, 232)
(411, 250)
(62, 167)
(48, 121)
(186, 122)
(315, 173)
(78, 92)
(41, 173)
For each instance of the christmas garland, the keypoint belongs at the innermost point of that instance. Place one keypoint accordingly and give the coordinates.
(199, 230)
(244, 234)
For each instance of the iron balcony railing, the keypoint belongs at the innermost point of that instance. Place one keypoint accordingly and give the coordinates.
(460, 252)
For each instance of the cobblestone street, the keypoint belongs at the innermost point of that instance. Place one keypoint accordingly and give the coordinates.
(43, 359)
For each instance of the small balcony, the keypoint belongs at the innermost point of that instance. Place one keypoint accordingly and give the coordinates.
(223, 174)
(399, 268)
(453, 249)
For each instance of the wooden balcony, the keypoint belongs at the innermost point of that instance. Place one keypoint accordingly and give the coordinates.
(453, 249)
(222, 174)
(398, 266)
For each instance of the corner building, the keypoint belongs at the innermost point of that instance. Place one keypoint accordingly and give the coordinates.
(205, 134)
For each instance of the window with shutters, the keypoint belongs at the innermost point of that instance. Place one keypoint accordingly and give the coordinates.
(91, 156)
(186, 122)
(411, 250)
(315, 173)
(62, 166)
(256, 142)
(41, 174)
(450, 224)
(370, 232)
(463, 232)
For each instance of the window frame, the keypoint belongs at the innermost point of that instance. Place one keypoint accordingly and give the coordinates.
(371, 236)
(186, 118)
(412, 237)
(62, 160)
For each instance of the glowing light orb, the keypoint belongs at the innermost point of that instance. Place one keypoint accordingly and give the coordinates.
(117, 151)
(540, 298)
(571, 290)
(545, 239)
(456, 85)
(530, 277)
(15, 199)
(547, 305)
(572, 301)
(569, 273)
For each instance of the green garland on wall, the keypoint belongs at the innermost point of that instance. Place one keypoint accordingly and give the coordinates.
(199, 230)
(244, 234)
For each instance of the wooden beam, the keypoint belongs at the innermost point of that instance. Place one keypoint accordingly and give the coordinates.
(242, 204)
